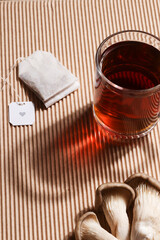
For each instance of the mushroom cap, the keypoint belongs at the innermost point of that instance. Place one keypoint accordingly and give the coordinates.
(112, 188)
(139, 178)
(93, 232)
(87, 215)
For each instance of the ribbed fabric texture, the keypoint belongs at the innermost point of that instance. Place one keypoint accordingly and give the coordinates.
(49, 171)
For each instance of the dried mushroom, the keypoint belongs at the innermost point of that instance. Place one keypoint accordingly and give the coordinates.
(146, 210)
(88, 228)
(115, 199)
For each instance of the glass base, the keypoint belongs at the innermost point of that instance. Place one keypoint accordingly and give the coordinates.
(118, 135)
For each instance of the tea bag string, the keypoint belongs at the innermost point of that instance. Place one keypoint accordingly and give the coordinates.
(6, 80)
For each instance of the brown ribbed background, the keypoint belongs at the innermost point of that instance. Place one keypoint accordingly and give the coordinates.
(49, 171)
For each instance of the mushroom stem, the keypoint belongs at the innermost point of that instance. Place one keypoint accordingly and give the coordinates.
(146, 213)
(114, 208)
(146, 210)
(114, 199)
(88, 228)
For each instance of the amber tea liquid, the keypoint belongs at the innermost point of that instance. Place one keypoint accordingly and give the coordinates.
(133, 66)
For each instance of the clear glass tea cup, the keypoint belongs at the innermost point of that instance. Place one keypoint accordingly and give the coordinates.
(127, 85)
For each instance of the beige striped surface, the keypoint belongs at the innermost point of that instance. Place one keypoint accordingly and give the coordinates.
(49, 171)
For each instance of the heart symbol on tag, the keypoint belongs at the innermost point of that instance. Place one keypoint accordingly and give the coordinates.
(22, 113)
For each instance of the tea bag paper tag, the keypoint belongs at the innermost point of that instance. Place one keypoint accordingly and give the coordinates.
(21, 113)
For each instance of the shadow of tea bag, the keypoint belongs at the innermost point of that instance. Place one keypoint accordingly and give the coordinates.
(47, 77)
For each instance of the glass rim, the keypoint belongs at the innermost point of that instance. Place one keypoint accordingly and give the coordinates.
(115, 86)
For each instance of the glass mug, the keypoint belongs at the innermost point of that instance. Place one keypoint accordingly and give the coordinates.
(127, 85)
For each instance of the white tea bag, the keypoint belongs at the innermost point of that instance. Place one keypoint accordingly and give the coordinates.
(47, 77)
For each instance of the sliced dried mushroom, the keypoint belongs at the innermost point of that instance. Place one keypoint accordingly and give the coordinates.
(88, 228)
(115, 199)
(146, 210)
